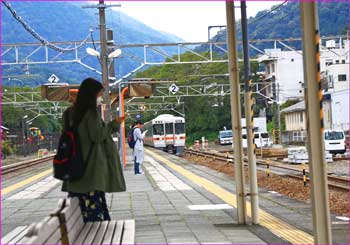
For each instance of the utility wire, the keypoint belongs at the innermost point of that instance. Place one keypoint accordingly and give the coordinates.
(40, 38)
(269, 12)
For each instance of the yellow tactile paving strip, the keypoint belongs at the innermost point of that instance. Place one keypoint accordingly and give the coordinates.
(25, 182)
(275, 225)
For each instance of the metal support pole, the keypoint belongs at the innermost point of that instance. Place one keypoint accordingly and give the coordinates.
(318, 176)
(111, 71)
(276, 111)
(236, 112)
(249, 116)
(104, 60)
(24, 138)
(122, 144)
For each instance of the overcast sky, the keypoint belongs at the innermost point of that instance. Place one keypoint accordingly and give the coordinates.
(186, 19)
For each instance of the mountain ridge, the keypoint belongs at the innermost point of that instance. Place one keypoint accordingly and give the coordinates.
(59, 22)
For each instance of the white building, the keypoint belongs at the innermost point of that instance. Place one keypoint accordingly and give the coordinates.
(335, 105)
(286, 67)
(336, 97)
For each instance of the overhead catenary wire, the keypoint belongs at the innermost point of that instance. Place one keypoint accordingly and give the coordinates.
(38, 36)
(267, 13)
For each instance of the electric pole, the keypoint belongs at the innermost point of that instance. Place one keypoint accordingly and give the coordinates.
(111, 70)
(318, 168)
(249, 117)
(104, 59)
(236, 112)
(104, 55)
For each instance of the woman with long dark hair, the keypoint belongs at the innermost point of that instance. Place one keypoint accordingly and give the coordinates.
(103, 171)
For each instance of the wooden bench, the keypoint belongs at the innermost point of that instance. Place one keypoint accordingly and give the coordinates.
(65, 225)
(46, 231)
(75, 231)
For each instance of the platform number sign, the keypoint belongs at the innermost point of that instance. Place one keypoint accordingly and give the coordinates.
(53, 79)
(173, 89)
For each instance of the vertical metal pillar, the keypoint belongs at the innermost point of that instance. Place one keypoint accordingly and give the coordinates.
(318, 178)
(249, 117)
(276, 112)
(236, 111)
(24, 138)
(104, 59)
(122, 143)
(111, 70)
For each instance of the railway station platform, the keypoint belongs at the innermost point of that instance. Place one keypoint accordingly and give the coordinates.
(173, 202)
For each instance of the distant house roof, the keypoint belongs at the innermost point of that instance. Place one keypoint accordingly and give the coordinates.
(300, 106)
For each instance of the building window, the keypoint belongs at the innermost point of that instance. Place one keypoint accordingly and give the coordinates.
(272, 68)
(329, 62)
(343, 61)
(292, 60)
(337, 61)
(268, 69)
(301, 117)
(342, 78)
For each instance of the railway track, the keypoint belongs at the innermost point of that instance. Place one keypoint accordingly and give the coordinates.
(25, 164)
(336, 182)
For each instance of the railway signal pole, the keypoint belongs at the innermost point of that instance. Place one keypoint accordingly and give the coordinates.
(249, 116)
(318, 170)
(236, 112)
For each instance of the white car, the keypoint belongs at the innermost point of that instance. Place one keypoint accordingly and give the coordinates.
(261, 139)
(334, 141)
(225, 137)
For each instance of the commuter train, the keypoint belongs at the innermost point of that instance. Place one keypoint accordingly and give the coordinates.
(166, 132)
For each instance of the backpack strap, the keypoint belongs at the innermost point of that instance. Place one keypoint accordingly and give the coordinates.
(137, 137)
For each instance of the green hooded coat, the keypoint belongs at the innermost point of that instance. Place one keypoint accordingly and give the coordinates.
(103, 171)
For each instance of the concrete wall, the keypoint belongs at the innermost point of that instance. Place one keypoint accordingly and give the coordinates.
(295, 121)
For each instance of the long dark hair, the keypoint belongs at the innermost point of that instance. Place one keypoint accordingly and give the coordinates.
(86, 99)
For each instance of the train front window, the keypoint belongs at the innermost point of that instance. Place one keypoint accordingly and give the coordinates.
(179, 128)
(169, 128)
(158, 129)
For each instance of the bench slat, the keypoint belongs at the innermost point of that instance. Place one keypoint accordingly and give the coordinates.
(117, 236)
(42, 231)
(129, 232)
(55, 237)
(90, 237)
(83, 233)
(109, 233)
(59, 207)
(101, 232)
(21, 237)
(72, 204)
(74, 225)
(7, 239)
(72, 220)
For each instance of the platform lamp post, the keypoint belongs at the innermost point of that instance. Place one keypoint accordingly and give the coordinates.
(318, 168)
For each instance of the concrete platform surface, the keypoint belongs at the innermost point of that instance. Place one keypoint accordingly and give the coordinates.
(169, 205)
